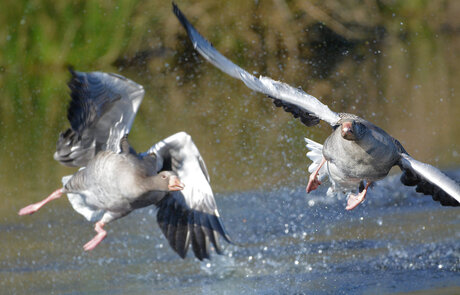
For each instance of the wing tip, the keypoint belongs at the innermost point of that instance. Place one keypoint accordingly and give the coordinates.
(180, 16)
(199, 230)
(223, 232)
(71, 69)
(189, 28)
(75, 75)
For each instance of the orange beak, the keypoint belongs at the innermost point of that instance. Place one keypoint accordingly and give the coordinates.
(347, 130)
(175, 184)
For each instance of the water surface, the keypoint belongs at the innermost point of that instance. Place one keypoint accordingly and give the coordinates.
(396, 242)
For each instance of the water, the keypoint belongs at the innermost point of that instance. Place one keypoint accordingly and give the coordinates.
(401, 72)
(287, 242)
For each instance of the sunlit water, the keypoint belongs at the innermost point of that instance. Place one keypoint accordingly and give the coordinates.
(285, 242)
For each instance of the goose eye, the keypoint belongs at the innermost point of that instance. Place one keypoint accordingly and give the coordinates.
(163, 176)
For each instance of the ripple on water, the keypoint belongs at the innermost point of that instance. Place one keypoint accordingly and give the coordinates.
(286, 241)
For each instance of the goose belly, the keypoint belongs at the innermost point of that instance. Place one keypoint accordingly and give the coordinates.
(108, 183)
(351, 161)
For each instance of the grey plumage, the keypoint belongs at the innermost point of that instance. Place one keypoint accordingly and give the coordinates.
(349, 161)
(112, 185)
(101, 112)
(114, 180)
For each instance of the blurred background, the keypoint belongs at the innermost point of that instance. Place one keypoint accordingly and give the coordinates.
(393, 62)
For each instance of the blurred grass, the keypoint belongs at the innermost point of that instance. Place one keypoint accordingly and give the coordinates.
(393, 62)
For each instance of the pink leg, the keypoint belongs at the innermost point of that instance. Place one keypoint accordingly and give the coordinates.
(32, 208)
(355, 200)
(101, 234)
(313, 181)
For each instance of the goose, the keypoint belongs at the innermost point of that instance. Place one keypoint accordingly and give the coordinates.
(113, 180)
(355, 155)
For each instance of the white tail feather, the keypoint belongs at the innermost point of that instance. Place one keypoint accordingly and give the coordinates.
(316, 155)
(78, 202)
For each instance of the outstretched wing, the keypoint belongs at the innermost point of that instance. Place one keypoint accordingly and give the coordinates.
(429, 181)
(101, 112)
(293, 100)
(189, 216)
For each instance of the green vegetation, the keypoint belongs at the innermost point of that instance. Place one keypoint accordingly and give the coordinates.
(393, 62)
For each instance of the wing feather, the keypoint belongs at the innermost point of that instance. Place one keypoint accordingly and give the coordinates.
(429, 181)
(101, 111)
(196, 219)
(294, 100)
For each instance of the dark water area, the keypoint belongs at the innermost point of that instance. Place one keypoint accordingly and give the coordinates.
(397, 242)
(395, 63)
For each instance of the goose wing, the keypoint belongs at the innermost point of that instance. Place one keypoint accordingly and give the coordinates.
(293, 100)
(429, 181)
(189, 216)
(101, 112)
